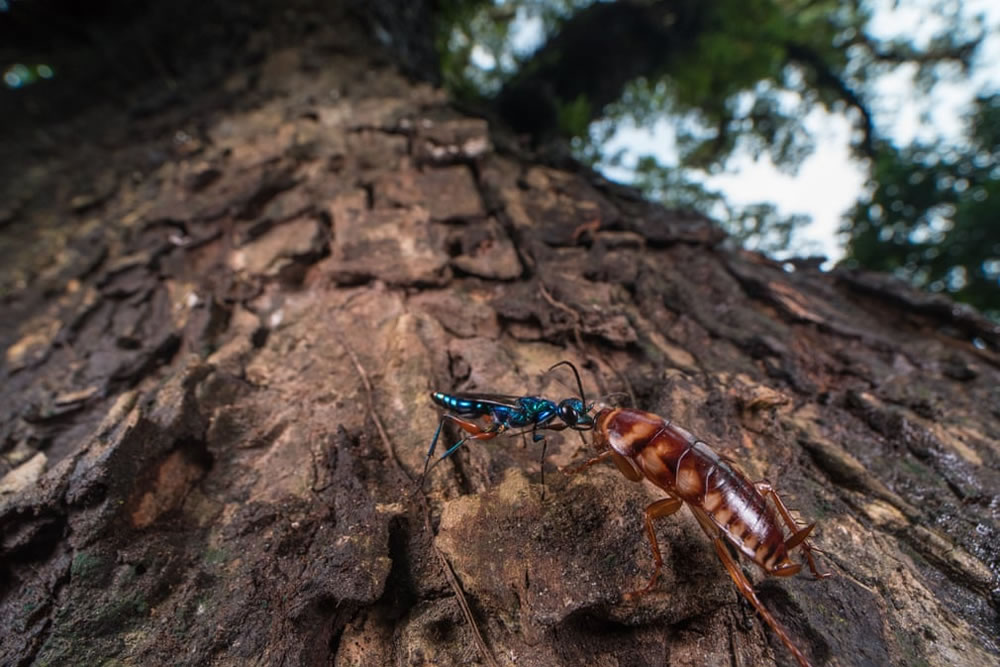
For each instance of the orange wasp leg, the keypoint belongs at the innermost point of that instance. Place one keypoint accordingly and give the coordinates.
(799, 535)
(659, 509)
(748, 592)
(475, 432)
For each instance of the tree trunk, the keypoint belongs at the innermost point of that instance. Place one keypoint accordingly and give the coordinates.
(220, 342)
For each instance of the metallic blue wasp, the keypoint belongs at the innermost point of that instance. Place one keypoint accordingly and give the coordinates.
(503, 413)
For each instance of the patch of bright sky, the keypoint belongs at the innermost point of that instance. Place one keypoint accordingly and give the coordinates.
(527, 34)
(829, 182)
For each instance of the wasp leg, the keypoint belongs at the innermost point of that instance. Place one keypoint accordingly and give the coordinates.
(430, 450)
(535, 437)
(475, 433)
(748, 592)
(799, 535)
(657, 510)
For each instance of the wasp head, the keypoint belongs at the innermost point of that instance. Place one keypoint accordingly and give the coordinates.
(574, 413)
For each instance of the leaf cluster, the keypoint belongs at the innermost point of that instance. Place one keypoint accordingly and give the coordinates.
(743, 75)
(931, 213)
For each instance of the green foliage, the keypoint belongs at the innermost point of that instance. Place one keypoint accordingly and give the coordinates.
(735, 79)
(574, 118)
(484, 28)
(932, 212)
(755, 227)
(742, 75)
(745, 80)
(464, 25)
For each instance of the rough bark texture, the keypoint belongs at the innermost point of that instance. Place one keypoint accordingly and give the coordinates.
(218, 352)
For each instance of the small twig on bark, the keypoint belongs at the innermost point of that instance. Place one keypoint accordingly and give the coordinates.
(578, 319)
(591, 227)
(466, 611)
(445, 565)
(370, 400)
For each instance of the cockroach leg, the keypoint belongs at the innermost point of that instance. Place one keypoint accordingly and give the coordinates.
(659, 509)
(799, 535)
(583, 466)
(625, 468)
(743, 584)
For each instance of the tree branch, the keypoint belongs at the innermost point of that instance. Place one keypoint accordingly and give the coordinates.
(808, 58)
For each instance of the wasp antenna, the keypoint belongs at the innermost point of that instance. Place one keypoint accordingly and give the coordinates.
(576, 373)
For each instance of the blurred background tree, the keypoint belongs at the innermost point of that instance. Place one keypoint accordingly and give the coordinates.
(732, 76)
(726, 78)
(933, 213)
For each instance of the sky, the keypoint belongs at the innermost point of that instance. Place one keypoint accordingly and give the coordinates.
(829, 182)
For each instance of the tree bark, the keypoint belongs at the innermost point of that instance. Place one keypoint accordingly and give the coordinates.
(219, 343)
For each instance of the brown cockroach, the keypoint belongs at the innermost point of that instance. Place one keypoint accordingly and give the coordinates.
(728, 506)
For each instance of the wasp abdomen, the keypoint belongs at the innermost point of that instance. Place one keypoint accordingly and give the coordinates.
(459, 404)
